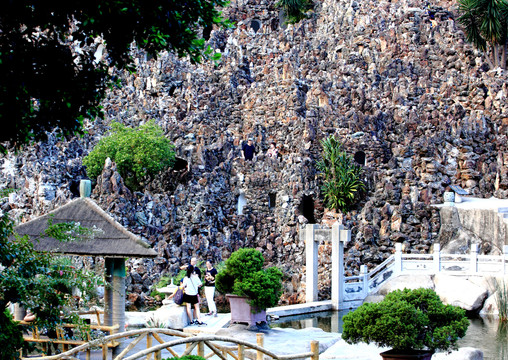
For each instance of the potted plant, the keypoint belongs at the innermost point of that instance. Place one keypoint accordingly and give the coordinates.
(250, 289)
(414, 323)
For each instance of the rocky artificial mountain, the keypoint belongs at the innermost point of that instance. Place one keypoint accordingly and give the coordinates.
(396, 81)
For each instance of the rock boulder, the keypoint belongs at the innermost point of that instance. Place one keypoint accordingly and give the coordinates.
(170, 316)
(459, 291)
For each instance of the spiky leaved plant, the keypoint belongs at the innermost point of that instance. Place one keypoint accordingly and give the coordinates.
(501, 290)
(485, 24)
(341, 175)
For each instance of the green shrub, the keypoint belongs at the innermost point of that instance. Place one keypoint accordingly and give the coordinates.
(341, 175)
(407, 319)
(294, 10)
(137, 153)
(243, 275)
(40, 282)
(10, 335)
(5, 192)
(186, 357)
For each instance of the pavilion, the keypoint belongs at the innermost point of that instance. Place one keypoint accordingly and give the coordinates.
(112, 241)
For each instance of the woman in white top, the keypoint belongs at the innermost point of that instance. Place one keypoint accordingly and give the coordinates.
(191, 284)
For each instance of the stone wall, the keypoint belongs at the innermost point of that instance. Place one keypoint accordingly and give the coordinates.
(393, 84)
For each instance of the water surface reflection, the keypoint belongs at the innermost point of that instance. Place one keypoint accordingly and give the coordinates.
(484, 334)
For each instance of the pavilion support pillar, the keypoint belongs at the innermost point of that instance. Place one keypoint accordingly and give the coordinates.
(118, 311)
(108, 292)
(19, 312)
(119, 293)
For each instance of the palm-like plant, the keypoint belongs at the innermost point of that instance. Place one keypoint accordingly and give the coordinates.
(341, 175)
(486, 25)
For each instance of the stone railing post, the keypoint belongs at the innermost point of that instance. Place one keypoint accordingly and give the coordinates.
(398, 258)
(505, 258)
(340, 235)
(473, 268)
(437, 258)
(365, 280)
(311, 263)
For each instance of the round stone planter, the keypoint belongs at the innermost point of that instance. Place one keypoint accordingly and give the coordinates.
(241, 311)
(407, 355)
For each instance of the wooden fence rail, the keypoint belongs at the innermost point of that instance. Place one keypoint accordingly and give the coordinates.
(220, 346)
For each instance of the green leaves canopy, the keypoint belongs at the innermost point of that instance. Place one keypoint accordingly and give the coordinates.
(485, 24)
(294, 10)
(49, 75)
(407, 319)
(137, 152)
(341, 175)
(38, 281)
(244, 276)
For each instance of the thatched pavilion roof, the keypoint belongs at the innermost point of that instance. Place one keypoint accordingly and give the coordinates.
(113, 241)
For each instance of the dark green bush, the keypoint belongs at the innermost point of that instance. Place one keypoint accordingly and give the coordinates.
(243, 275)
(139, 152)
(294, 10)
(407, 319)
(10, 335)
(186, 357)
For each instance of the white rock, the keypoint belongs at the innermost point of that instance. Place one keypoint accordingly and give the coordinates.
(407, 282)
(360, 351)
(465, 353)
(373, 299)
(170, 316)
(458, 291)
(490, 307)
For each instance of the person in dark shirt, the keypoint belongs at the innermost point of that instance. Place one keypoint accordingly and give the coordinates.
(248, 149)
(193, 263)
(210, 273)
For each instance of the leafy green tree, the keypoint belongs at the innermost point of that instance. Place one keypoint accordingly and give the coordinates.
(485, 24)
(137, 152)
(244, 275)
(341, 175)
(39, 281)
(52, 74)
(294, 10)
(407, 319)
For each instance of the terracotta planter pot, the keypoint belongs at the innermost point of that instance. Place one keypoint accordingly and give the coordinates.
(407, 355)
(241, 311)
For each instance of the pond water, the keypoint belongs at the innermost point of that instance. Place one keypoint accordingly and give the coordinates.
(484, 334)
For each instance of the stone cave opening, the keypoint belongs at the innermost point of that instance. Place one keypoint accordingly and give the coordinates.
(255, 25)
(180, 164)
(306, 208)
(272, 198)
(360, 158)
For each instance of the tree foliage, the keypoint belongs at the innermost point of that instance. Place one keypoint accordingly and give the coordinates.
(137, 152)
(342, 181)
(294, 10)
(486, 24)
(407, 319)
(52, 74)
(244, 276)
(39, 281)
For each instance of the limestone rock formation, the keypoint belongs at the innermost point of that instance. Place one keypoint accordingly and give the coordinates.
(411, 101)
